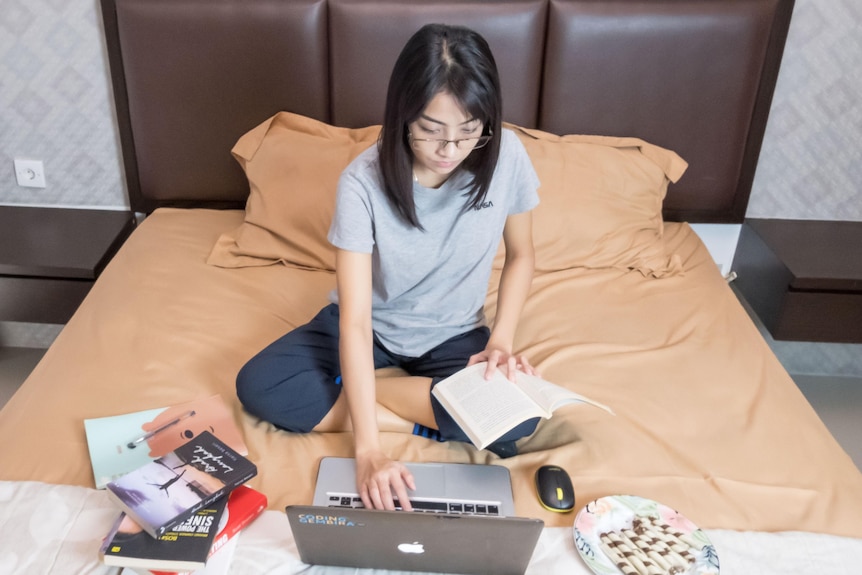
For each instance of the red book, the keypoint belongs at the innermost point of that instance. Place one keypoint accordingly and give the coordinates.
(244, 505)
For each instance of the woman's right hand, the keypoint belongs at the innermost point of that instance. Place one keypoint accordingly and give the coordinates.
(380, 479)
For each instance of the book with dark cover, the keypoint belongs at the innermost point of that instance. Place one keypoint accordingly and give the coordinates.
(184, 548)
(158, 556)
(164, 492)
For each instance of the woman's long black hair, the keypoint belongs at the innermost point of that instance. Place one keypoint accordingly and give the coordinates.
(439, 58)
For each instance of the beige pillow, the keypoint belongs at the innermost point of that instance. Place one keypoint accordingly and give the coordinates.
(292, 164)
(600, 202)
(601, 197)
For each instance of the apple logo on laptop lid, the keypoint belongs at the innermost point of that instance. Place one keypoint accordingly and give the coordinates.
(414, 547)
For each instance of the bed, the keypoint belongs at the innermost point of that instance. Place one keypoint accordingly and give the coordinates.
(235, 117)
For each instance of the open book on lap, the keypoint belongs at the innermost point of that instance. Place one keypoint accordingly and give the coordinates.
(487, 408)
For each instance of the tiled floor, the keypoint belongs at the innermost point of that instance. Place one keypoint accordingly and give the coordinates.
(16, 363)
(838, 400)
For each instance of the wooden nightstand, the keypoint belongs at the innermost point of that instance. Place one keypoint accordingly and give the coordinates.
(50, 258)
(803, 278)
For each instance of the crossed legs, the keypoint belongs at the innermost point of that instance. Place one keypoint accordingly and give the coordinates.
(295, 382)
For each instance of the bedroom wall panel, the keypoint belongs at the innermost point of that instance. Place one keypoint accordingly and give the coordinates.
(55, 104)
(725, 127)
(811, 161)
(169, 151)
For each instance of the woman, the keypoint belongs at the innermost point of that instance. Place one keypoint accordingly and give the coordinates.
(417, 224)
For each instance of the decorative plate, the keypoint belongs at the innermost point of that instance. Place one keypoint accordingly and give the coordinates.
(630, 535)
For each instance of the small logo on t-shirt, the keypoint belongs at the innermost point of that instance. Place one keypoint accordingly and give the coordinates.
(483, 205)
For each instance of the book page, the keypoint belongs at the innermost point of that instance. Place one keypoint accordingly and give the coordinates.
(550, 395)
(485, 409)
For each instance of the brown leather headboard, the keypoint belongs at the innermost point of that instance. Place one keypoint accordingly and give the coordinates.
(696, 76)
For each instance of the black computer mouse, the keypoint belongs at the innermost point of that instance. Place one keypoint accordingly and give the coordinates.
(554, 488)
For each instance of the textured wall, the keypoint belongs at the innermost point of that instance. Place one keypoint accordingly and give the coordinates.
(811, 163)
(55, 105)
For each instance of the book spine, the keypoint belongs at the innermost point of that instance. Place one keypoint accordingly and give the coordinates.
(234, 527)
(247, 505)
(106, 542)
(131, 512)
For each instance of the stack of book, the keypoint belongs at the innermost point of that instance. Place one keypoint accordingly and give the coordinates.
(181, 512)
(202, 544)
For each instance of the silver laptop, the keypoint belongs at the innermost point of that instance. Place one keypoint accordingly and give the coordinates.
(399, 540)
(457, 488)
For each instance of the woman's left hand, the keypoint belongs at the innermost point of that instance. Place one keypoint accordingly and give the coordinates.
(507, 362)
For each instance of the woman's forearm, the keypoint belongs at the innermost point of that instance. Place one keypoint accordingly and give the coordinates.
(356, 346)
(355, 349)
(515, 282)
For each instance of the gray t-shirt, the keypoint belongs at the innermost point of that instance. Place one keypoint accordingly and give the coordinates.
(429, 286)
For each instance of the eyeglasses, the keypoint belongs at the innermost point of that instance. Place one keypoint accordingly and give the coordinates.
(438, 144)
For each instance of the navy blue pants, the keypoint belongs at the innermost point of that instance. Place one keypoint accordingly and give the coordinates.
(294, 382)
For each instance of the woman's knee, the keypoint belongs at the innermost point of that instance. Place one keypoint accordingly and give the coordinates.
(254, 388)
(248, 382)
(290, 399)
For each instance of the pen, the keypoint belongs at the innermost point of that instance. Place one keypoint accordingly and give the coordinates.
(134, 443)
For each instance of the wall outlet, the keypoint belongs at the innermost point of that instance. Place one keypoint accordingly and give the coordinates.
(30, 173)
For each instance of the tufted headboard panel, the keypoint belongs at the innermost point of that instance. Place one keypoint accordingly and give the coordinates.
(191, 76)
(695, 77)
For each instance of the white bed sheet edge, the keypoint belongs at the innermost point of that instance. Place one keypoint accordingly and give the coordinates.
(57, 529)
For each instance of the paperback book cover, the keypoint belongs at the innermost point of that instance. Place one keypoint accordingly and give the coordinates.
(164, 492)
(129, 546)
(119, 444)
(186, 547)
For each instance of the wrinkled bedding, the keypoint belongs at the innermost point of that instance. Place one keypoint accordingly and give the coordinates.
(706, 419)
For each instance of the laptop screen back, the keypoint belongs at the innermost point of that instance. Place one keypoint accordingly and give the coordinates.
(398, 540)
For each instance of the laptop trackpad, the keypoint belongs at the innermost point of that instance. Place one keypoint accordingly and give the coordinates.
(430, 479)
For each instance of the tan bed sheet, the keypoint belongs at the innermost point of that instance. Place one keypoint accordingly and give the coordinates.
(707, 421)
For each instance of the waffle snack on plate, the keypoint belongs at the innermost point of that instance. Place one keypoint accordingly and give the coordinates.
(636, 536)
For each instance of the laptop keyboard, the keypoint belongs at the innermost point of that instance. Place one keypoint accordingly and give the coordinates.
(424, 506)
